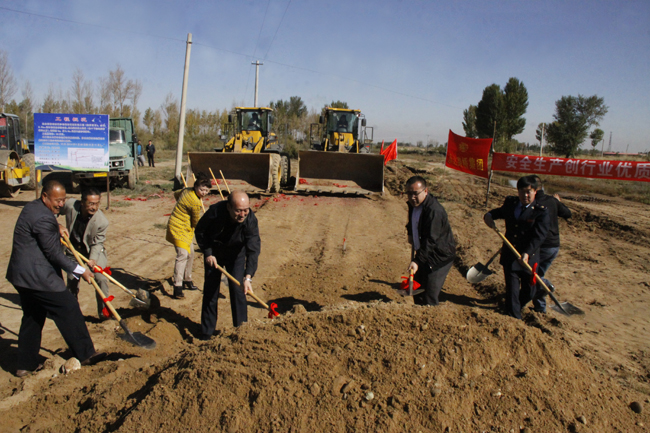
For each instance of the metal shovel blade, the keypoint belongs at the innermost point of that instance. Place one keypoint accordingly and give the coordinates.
(413, 293)
(141, 300)
(136, 338)
(568, 309)
(478, 273)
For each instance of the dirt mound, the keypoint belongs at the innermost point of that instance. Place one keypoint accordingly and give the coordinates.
(378, 367)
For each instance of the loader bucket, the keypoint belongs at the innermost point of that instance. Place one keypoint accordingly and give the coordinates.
(248, 172)
(340, 173)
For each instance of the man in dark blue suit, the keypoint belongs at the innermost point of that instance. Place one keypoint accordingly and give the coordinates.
(35, 271)
(527, 224)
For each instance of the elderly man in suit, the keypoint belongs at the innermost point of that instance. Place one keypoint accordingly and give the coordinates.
(87, 226)
(35, 271)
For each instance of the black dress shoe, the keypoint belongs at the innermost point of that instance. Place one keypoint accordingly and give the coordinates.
(188, 285)
(94, 358)
(178, 292)
(23, 373)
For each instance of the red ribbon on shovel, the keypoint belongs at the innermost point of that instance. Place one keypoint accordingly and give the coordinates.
(405, 284)
(106, 270)
(533, 280)
(272, 312)
(105, 311)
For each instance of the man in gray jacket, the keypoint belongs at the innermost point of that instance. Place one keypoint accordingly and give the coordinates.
(87, 226)
(35, 271)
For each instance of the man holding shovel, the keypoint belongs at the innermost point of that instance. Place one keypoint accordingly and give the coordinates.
(551, 246)
(228, 235)
(432, 240)
(87, 226)
(527, 224)
(35, 271)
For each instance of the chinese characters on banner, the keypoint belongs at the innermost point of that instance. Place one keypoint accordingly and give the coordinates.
(593, 168)
(469, 155)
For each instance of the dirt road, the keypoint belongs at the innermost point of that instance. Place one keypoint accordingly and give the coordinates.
(348, 353)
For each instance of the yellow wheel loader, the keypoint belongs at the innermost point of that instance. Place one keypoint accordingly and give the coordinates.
(252, 159)
(339, 160)
(17, 165)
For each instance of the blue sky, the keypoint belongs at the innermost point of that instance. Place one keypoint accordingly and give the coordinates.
(412, 67)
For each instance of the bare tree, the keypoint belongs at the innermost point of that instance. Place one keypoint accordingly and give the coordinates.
(105, 106)
(8, 84)
(81, 94)
(121, 89)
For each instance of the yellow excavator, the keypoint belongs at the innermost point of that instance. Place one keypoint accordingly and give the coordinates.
(17, 165)
(339, 160)
(252, 159)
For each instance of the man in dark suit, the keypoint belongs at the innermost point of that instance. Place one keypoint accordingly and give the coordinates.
(87, 226)
(228, 235)
(551, 246)
(151, 151)
(431, 239)
(35, 271)
(526, 228)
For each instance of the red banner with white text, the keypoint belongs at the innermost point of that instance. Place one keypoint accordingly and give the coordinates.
(592, 168)
(469, 155)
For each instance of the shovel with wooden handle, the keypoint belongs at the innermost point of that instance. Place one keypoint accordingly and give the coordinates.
(272, 312)
(479, 271)
(564, 307)
(141, 300)
(135, 338)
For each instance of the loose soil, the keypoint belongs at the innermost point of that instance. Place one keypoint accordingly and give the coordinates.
(348, 353)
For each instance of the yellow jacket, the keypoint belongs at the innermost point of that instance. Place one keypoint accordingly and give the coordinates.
(184, 218)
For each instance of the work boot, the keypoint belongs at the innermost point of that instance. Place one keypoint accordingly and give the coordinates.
(188, 285)
(178, 292)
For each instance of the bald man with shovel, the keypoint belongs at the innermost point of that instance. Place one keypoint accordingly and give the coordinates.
(228, 235)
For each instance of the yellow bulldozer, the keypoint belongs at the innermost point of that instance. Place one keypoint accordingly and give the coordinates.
(17, 165)
(339, 160)
(252, 159)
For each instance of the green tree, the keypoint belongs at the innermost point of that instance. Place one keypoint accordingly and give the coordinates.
(490, 110)
(538, 133)
(469, 122)
(573, 118)
(596, 137)
(338, 104)
(515, 103)
(147, 119)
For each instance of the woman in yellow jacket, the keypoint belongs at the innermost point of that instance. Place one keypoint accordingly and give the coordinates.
(180, 231)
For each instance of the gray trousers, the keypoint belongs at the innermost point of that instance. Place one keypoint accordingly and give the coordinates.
(102, 282)
(432, 282)
(183, 265)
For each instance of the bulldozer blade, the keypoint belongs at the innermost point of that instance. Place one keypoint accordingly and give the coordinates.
(340, 173)
(249, 172)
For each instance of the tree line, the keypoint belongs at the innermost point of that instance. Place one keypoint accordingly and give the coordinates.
(499, 115)
(118, 95)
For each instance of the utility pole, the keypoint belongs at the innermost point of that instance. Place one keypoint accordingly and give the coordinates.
(257, 77)
(609, 148)
(181, 125)
(541, 141)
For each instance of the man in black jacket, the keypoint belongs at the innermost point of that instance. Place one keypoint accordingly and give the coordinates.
(431, 238)
(228, 235)
(551, 246)
(526, 228)
(35, 271)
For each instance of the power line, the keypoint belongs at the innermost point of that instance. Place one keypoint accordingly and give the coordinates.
(277, 29)
(257, 43)
(248, 56)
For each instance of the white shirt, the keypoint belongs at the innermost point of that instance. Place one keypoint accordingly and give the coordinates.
(415, 222)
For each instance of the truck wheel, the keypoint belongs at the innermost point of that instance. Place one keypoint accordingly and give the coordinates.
(276, 172)
(285, 166)
(131, 181)
(31, 163)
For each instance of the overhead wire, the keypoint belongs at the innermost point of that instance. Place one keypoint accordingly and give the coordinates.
(257, 43)
(248, 56)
